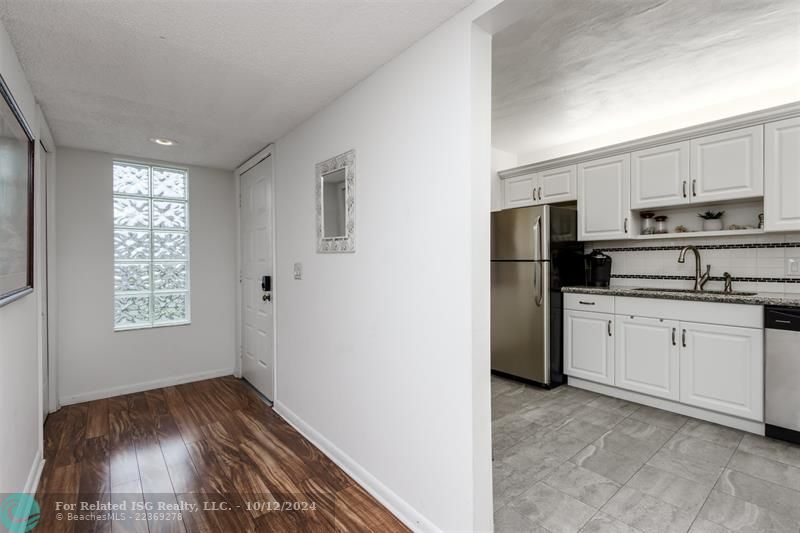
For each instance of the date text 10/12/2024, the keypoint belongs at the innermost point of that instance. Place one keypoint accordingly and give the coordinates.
(182, 507)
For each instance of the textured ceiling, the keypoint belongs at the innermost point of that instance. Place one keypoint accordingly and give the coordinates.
(576, 69)
(223, 78)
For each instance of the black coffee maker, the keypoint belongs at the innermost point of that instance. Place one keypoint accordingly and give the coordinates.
(597, 267)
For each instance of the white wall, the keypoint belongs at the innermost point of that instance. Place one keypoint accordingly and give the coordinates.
(501, 160)
(716, 111)
(95, 361)
(20, 361)
(383, 355)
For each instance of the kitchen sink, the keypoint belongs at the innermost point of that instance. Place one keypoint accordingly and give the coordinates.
(692, 291)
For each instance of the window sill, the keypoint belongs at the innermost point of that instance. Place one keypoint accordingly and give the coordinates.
(151, 326)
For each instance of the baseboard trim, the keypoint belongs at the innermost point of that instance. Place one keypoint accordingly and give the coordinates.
(35, 473)
(389, 499)
(147, 385)
(668, 405)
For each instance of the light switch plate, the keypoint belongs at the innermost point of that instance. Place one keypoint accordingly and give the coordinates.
(793, 267)
(298, 271)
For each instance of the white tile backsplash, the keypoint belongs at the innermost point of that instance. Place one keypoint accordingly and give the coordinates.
(740, 262)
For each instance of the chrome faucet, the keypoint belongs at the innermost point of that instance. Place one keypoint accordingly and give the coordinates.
(700, 280)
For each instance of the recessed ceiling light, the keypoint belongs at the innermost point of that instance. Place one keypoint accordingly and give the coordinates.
(163, 141)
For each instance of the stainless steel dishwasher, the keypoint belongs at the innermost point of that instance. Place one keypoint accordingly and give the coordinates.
(782, 383)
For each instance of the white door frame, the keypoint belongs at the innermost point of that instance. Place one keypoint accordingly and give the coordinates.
(46, 216)
(260, 156)
(52, 324)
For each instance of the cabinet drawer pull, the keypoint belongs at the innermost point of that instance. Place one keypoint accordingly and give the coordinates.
(585, 303)
(694, 187)
(609, 328)
(674, 343)
(683, 338)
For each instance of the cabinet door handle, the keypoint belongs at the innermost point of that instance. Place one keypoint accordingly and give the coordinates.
(533, 193)
(684, 188)
(673, 337)
(625, 224)
(592, 303)
(683, 338)
(694, 187)
(540, 193)
(609, 328)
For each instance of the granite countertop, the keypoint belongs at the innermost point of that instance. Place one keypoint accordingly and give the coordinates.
(761, 298)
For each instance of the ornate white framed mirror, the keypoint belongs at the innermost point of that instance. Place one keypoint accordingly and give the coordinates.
(335, 186)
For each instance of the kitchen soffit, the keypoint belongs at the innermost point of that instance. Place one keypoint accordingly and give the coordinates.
(577, 69)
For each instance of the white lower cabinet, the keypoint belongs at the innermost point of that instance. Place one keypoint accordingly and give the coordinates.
(713, 367)
(722, 368)
(589, 346)
(646, 356)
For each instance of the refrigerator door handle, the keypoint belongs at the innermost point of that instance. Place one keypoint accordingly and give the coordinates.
(540, 284)
(537, 239)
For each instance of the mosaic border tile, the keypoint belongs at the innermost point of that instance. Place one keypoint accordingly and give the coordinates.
(713, 278)
(702, 247)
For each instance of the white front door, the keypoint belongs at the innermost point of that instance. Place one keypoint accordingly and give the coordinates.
(258, 334)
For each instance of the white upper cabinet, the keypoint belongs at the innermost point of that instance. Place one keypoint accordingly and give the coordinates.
(782, 175)
(728, 166)
(722, 369)
(550, 186)
(647, 355)
(660, 176)
(558, 185)
(694, 167)
(604, 198)
(519, 191)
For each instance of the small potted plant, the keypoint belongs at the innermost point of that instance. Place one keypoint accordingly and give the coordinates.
(712, 220)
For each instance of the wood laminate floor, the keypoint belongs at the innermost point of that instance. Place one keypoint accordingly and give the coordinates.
(212, 451)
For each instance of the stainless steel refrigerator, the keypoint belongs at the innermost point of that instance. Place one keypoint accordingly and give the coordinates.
(535, 251)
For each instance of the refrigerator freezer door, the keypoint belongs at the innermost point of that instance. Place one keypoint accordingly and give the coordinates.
(515, 237)
(563, 224)
(520, 332)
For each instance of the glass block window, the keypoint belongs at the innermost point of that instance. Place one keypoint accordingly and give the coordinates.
(151, 246)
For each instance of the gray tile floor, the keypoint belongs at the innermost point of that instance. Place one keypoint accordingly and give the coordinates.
(571, 460)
